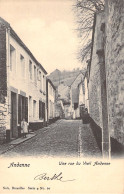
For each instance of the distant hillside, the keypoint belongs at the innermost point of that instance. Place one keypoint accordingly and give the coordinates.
(66, 77)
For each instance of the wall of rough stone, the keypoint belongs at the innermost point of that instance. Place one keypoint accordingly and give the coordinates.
(3, 81)
(115, 67)
(95, 108)
(3, 75)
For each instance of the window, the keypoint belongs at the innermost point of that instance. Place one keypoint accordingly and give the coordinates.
(40, 79)
(30, 107)
(35, 75)
(12, 58)
(34, 109)
(44, 83)
(30, 69)
(40, 110)
(75, 106)
(51, 110)
(22, 66)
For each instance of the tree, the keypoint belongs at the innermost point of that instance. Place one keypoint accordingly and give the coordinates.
(85, 10)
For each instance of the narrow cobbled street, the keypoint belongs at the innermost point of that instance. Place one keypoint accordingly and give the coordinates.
(65, 138)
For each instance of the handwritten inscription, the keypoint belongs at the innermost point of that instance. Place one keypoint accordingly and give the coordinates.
(58, 177)
(18, 165)
(85, 163)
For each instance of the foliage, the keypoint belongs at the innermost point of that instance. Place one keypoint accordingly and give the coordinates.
(85, 10)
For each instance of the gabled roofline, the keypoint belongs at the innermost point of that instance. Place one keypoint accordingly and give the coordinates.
(76, 77)
(16, 37)
(5, 22)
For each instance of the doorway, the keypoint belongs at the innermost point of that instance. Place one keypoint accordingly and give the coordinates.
(14, 132)
(43, 111)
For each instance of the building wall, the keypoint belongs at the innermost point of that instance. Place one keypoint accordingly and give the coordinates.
(94, 85)
(78, 79)
(63, 91)
(86, 95)
(115, 67)
(19, 78)
(108, 49)
(59, 109)
(74, 90)
(74, 95)
(3, 70)
(19, 87)
(81, 94)
(67, 111)
(51, 101)
(3, 81)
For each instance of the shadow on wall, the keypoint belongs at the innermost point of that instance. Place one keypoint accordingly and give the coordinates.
(117, 149)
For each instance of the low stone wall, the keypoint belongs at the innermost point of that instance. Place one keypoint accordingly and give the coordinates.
(117, 149)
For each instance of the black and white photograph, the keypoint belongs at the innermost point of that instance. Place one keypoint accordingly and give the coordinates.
(62, 96)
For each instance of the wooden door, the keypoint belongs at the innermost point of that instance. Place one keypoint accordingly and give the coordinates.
(14, 130)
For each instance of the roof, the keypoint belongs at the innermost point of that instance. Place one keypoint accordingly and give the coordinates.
(69, 81)
(76, 77)
(16, 37)
(48, 80)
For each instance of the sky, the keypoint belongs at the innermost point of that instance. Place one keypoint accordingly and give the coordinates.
(47, 27)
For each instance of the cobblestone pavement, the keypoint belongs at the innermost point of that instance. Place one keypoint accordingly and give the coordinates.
(66, 138)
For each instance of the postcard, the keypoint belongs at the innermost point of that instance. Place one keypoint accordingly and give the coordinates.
(61, 97)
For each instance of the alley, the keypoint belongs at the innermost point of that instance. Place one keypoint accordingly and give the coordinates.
(65, 138)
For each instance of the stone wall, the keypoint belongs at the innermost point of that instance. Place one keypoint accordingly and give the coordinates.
(3, 81)
(114, 69)
(95, 108)
(3, 74)
(114, 53)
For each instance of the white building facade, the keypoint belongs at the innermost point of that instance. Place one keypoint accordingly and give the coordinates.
(81, 93)
(51, 110)
(26, 84)
(74, 94)
(86, 91)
